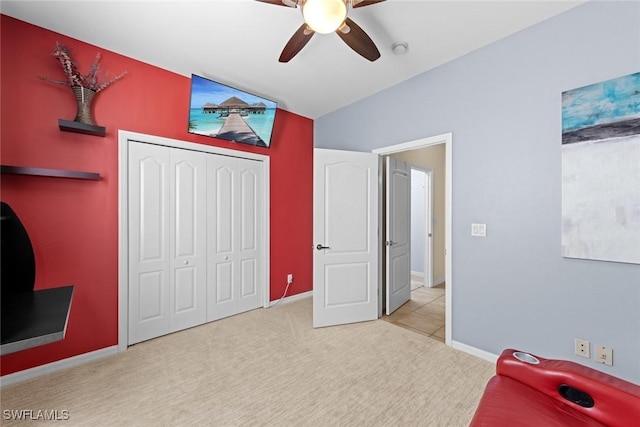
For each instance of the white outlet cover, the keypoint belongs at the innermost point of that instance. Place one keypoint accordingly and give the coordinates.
(604, 355)
(582, 348)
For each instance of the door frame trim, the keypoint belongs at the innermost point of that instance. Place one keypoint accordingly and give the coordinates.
(447, 139)
(124, 137)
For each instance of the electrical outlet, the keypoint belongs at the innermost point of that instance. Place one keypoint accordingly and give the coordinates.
(604, 355)
(582, 348)
(289, 278)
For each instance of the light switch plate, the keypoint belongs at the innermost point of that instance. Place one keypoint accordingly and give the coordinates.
(479, 230)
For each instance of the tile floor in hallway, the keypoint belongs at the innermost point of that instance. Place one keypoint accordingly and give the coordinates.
(423, 314)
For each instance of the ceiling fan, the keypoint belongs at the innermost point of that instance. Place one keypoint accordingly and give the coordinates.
(327, 16)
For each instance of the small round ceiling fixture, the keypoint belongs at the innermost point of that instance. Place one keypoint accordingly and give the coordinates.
(400, 48)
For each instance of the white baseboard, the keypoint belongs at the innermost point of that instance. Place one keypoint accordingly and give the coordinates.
(438, 281)
(485, 355)
(418, 276)
(59, 365)
(292, 298)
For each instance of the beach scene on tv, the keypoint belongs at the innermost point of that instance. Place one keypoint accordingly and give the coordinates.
(220, 111)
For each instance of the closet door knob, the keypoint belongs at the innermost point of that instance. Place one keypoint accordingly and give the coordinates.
(186, 263)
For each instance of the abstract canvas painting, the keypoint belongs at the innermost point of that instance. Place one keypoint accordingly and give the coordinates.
(601, 171)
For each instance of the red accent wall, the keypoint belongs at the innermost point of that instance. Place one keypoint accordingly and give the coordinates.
(73, 224)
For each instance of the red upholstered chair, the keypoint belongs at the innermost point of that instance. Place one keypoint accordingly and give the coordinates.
(529, 390)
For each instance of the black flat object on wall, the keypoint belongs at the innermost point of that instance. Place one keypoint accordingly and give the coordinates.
(17, 262)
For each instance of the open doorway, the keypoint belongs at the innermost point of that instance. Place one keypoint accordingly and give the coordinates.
(433, 154)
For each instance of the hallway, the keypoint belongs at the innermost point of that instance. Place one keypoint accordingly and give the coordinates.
(423, 314)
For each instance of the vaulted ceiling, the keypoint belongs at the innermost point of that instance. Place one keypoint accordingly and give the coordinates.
(238, 42)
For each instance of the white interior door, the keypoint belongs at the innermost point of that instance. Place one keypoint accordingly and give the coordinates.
(345, 229)
(428, 250)
(397, 254)
(236, 260)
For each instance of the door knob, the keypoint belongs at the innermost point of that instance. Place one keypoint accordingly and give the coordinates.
(390, 243)
(186, 263)
(320, 247)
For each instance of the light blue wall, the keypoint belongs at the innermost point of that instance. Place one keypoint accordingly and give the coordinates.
(502, 103)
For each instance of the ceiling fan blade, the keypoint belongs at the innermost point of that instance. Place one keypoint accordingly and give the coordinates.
(359, 41)
(295, 44)
(362, 3)
(287, 3)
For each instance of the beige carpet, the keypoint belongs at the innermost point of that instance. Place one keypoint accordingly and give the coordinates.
(266, 367)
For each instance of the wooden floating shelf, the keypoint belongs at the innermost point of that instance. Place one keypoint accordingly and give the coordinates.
(55, 173)
(77, 127)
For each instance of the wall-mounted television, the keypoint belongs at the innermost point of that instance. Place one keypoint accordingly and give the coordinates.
(220, 111)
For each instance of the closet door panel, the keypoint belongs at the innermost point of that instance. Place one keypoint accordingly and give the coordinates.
(188, 239)
(248, 207)
(221, 242)
(224, 279)
(185, 203)
(223, 300)
(151, 296)
(248, 281)
(222, 190)
(185, 295)
(250, 200)
(149, 252)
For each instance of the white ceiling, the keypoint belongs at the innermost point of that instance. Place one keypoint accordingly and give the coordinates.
(238, 42)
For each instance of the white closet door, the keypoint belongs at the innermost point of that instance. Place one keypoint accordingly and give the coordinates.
(250, 257)
(149, 252)
(235, 258)
(167, 246)
(221, 220)
(188, 239)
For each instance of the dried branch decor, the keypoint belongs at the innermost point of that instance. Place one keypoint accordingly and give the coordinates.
(84, 87)
(74, 78)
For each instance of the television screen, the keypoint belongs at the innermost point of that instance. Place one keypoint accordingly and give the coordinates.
(223, 112)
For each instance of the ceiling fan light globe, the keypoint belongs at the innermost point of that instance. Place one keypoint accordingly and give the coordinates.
(324, 16)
